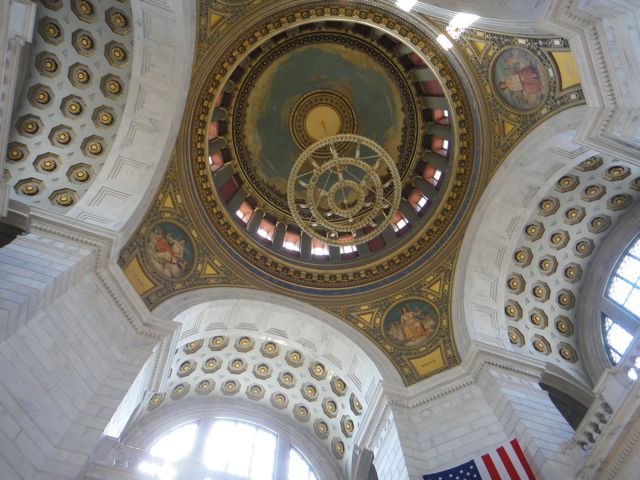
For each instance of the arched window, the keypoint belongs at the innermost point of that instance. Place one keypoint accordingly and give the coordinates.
(299, 468)
(624, 286)
(240, 450)
(224, 449)
(622, 318)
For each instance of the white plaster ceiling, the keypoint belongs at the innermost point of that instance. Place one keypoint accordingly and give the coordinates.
(553, 257)
(70, 106)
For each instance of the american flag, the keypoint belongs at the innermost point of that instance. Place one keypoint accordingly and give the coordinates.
(507, 462)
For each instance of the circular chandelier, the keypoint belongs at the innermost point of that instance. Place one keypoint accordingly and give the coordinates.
(344, 190)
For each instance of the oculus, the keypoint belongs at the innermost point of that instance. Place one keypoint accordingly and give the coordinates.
(320, 114)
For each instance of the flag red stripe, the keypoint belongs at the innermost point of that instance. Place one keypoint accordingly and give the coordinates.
(491, 468)
(522, 458)
(511, 470)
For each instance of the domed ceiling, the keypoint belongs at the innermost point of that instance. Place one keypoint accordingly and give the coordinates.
(270, 80)
(307, 83)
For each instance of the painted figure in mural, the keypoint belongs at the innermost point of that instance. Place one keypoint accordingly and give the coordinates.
(167, 251)
(519, 79)
(412, 326)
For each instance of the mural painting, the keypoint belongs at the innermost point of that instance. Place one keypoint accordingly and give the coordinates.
(410, 322)
(170, 250)
(519, 80)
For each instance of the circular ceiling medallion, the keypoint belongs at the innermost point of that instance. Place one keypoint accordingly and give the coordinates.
(170, 250)
(319, 114)
(519, 80)
(410, 322)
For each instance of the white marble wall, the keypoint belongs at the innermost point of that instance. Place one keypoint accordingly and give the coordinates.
(478, 406)
(604, 37)
(70, 349)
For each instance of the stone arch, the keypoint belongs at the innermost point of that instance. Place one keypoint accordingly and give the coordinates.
(520, 182)
(322, 324)
(164, 41)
